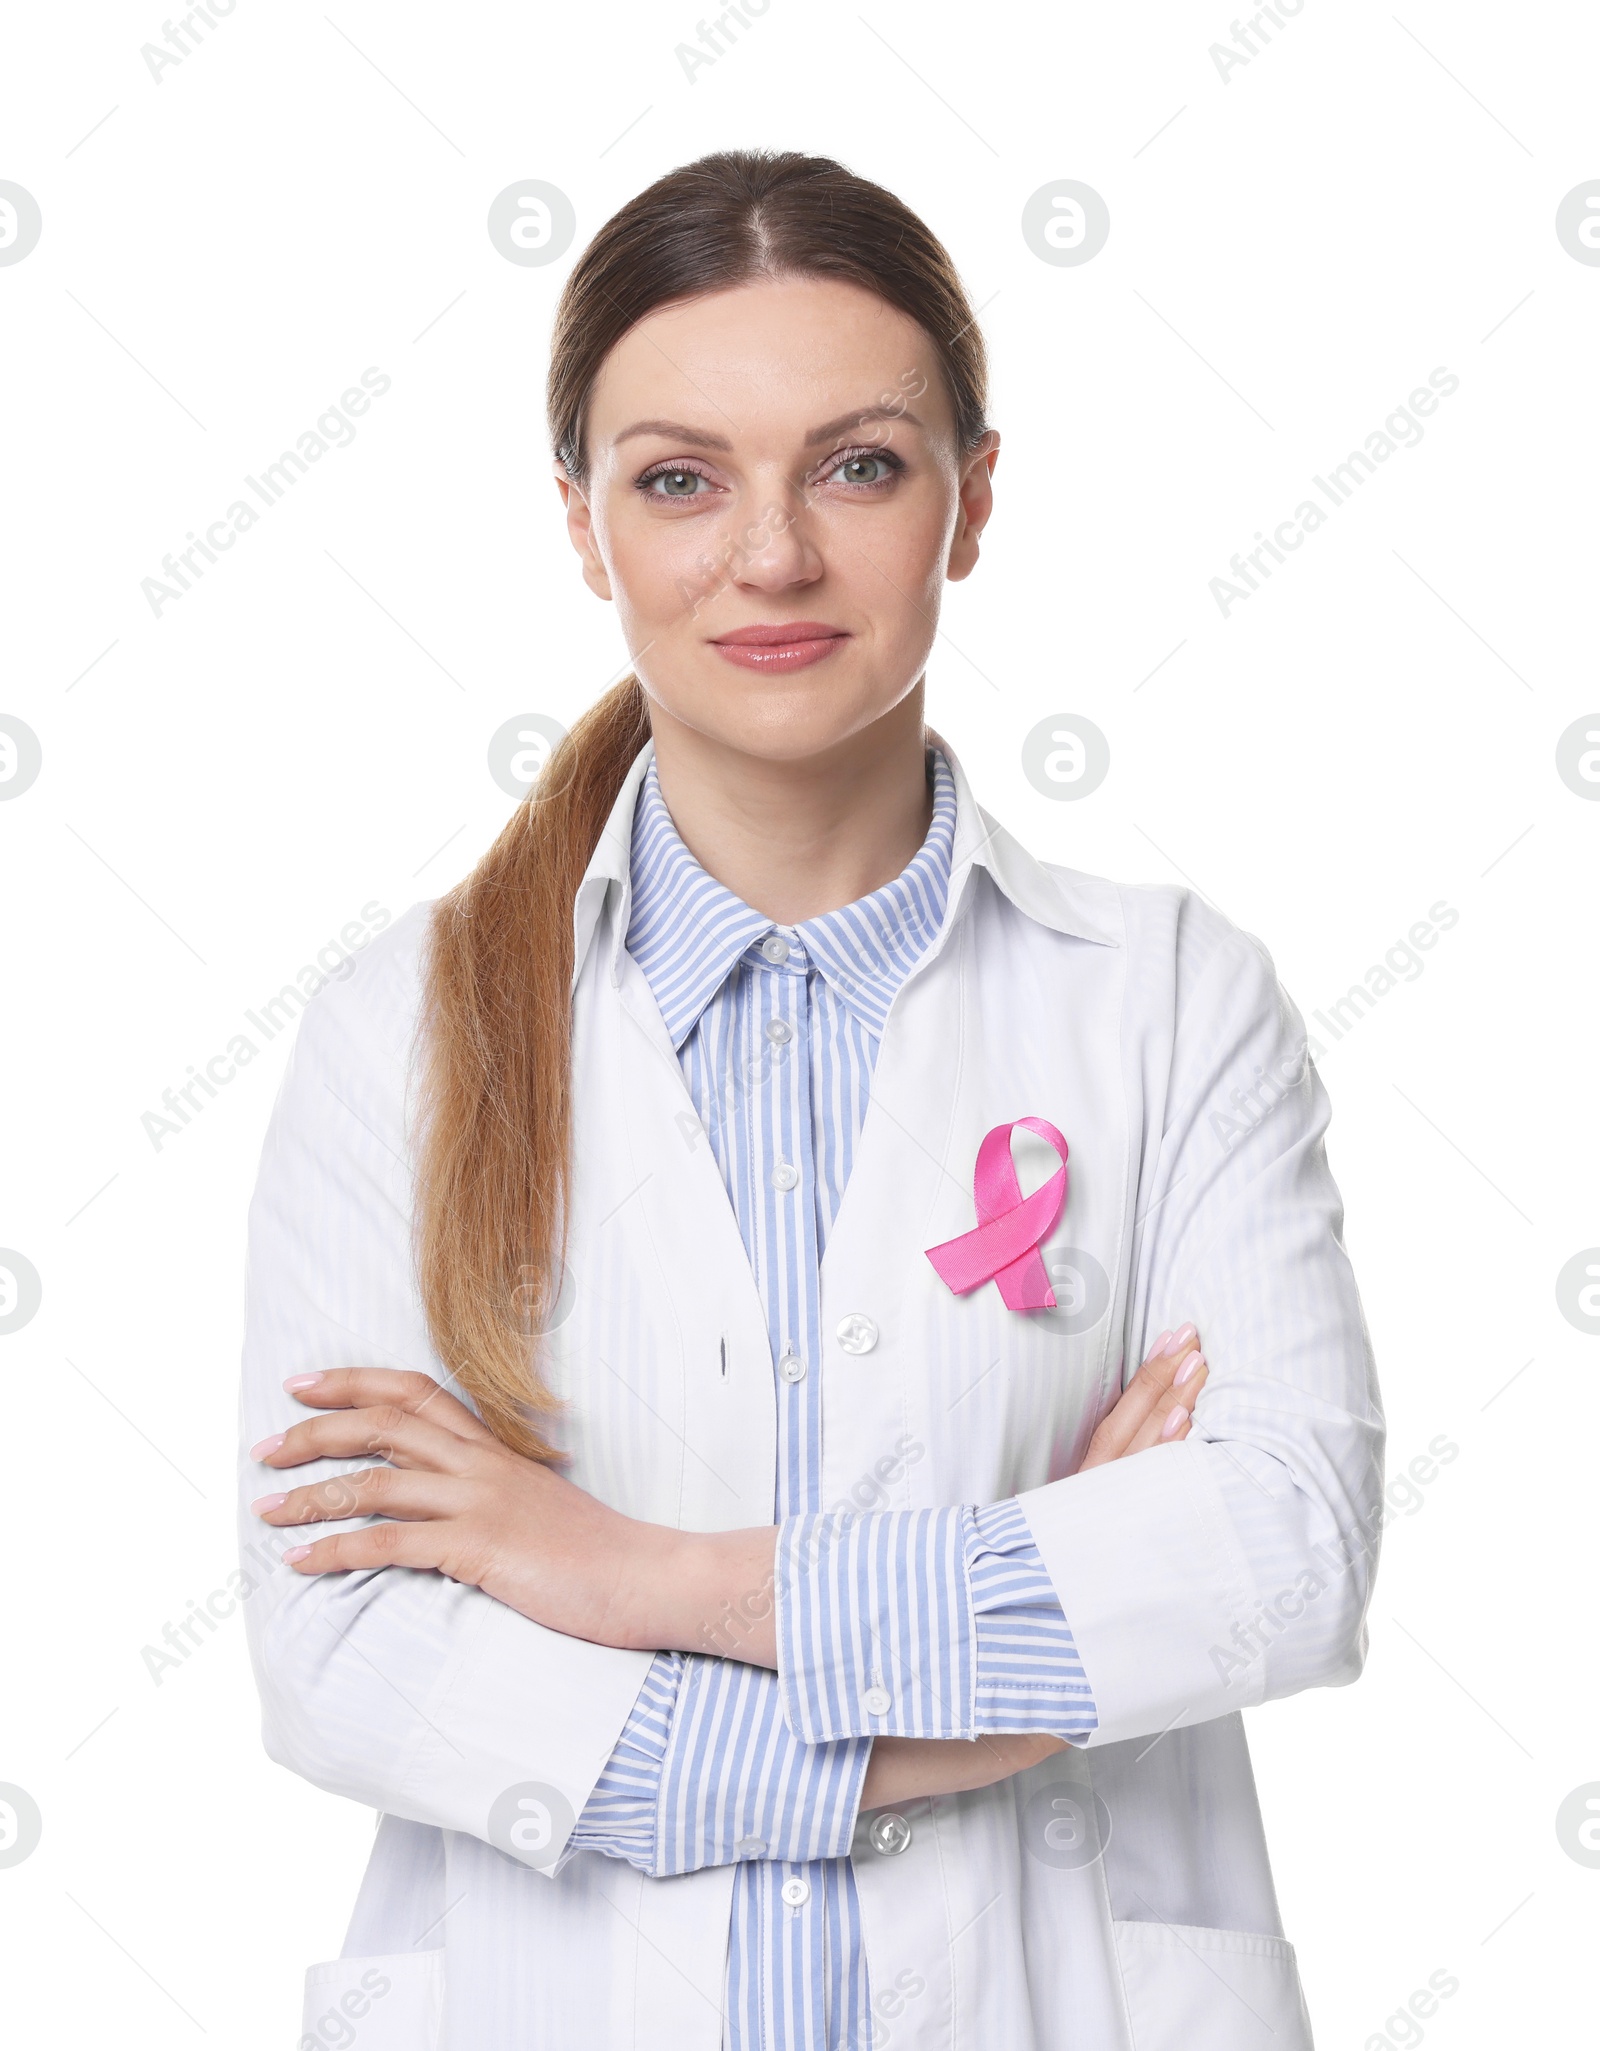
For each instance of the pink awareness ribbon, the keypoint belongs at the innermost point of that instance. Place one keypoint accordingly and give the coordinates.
(1004, 1246)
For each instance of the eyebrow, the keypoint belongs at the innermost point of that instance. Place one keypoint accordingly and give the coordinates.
(676, 431)
(680, 431)
(859, 418)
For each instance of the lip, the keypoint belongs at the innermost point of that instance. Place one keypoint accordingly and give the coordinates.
(785, 645)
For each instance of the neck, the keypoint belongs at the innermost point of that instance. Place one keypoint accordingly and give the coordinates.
(796, 839)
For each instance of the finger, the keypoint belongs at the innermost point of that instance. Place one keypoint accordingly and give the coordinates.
(1142, 1407)
(1178, 1402)
(372, 1492)
(1114, 1434)
(1168, 1354)
(355, 1388)
(373, 1545)
(384, 1432)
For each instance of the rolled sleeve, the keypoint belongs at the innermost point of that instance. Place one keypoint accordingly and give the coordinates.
(923, 1624)
(1029, 1674)
(875, 1628)
(619, 1818)
(707, 1773)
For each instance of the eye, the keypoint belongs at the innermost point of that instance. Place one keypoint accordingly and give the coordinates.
(673, 483)
(863, 467)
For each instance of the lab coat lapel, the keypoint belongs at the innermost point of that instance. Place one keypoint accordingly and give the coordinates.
(665, 1359)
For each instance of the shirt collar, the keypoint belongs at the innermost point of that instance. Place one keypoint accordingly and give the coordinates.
(687, 931)
(1064, 900)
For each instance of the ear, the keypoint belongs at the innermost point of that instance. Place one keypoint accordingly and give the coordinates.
(975, 494)
(580, 530)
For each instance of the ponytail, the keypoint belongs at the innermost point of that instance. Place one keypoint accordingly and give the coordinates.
(496, 1097)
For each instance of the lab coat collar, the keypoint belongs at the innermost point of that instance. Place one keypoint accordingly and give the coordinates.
(1055, 898)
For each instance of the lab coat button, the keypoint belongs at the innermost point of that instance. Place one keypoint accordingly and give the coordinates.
(792, 1368)
(797, 1892)
(775, 948)
(876, 1701)
(889, 1834)
(857, 1333)
(784, 1175)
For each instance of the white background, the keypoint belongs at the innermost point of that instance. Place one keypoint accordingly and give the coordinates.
(304, 732)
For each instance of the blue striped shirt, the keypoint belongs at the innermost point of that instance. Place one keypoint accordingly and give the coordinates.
(925, 1623)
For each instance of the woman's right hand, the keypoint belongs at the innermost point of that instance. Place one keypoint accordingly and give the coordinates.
(1157, 1406)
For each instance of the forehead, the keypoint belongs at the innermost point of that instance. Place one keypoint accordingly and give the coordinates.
(767, 359)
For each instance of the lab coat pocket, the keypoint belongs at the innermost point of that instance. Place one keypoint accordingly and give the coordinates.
(1192, 1989)
(394, 2003)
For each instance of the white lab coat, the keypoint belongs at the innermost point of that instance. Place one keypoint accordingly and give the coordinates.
(1197, 1578)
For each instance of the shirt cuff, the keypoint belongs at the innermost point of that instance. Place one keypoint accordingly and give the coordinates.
(875, 1626)
(1030, 1677)
(707, 1773)
(923, 1624)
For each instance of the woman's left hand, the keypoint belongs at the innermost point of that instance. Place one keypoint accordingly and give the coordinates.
(456, 1500)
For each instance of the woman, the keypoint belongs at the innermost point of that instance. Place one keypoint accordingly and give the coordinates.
(871, 1671)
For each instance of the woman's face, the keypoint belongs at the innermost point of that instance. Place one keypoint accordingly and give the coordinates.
(775, 498)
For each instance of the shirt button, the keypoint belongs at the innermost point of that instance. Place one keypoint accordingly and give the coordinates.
(889, 1834)
(792, 1368)
(784, 1175)
(751, 1847)
(876, 1701)
(775, 948)
(777, 1032)
(797, 1892)
(857, 1333)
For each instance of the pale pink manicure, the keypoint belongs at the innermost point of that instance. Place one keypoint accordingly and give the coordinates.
(1158, 1346)
(1185, 1335)
(301, 1381)
(263, 1504)
(1191, 1366)
(296, 1552)
(268, 1445)
(1174, 1423)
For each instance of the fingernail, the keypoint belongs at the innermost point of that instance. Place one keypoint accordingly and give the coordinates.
(301, 1381)
(1191, 1366)
(295, 1552)
(1180, 1338)
(1158, 1346)
(1174, 1423)
(268, 1445)
(264, 1503)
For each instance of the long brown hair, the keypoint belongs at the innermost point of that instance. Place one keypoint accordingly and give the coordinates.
(495, 1130)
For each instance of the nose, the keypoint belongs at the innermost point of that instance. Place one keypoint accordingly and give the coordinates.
(776, 550)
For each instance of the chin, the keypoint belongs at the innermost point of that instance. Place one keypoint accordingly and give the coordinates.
(784, 726)
(777, 718)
